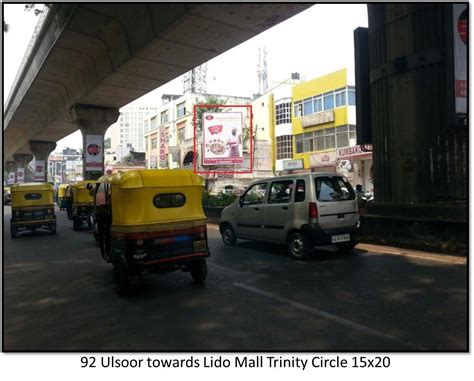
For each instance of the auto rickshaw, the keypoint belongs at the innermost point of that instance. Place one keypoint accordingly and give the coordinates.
(82, 204)
(152, 222)
(62, 201)
(32, 207)
(7, 196)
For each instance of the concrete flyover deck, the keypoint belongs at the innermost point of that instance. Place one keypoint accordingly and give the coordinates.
(107, 55)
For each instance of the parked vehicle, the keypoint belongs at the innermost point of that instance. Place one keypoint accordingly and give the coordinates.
(152, 222)
(302, 210)
(7, 196)
(32, 207)
(62, 200)
(82, 204)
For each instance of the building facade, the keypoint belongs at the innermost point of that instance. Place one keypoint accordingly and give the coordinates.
(324, 129)
(127, 134)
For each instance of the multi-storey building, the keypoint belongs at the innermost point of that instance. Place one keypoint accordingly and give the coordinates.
(324, 129)
(128, 132)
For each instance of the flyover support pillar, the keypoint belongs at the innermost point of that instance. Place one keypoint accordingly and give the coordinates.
(11, 168)
(93, 122)
(22, 161)
(41, 151)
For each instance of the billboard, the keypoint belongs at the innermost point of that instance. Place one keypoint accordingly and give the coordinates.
(94, 153)
(460, 25)
(222, 138)
(20, 175)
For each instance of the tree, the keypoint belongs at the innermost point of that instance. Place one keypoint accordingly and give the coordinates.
(28, 8)
(210, 106)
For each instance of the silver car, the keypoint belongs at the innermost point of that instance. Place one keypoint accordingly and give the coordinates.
(301, 210)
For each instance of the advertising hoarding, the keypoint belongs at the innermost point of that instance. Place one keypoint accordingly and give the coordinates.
(94, 153)
(460, 33)
(222, 138)
(40, 170)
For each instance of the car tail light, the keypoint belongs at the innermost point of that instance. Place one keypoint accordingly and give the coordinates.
(313, 213)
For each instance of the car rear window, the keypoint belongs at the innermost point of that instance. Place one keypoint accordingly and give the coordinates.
(169, 200)
(32, 196)
(333, 189)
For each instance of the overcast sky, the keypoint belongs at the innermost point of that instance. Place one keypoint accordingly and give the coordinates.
(314, 42)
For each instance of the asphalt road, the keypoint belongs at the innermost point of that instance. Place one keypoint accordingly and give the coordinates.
(59, 295)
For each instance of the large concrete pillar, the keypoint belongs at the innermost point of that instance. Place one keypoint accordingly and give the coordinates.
(41, 151)
(10, 165)
(419, 150)
(22, 161)
(93, 122)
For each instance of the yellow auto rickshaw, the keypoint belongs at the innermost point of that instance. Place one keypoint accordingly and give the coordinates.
(7, 196)
(82, 203)
(152, 221)
(62, 200)
(68, 200)
(32, 207)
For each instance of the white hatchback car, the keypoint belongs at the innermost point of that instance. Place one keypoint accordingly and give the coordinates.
(302, 210)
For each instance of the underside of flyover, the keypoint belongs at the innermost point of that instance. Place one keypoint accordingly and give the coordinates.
(107, 55)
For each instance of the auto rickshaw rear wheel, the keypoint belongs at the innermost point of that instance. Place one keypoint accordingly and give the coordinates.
(199, 271)
(13, 231)
(53, 228)
(123, 286)
(76, 224)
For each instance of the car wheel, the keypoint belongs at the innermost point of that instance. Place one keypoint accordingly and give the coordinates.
(199, 271)
(345, 246)
(228, 235)
(298, 246)
(123, 287)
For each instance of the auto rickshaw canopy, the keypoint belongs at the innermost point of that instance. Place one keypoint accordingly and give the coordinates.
(150, 197)
(62, 190)
(81, 193)
(32, 194)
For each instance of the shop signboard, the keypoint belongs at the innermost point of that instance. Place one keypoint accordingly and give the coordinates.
(293, 164)
(319, 118)
(222, 138)
(325, 159)
(94, 155)
(163, 148)
(353, 151)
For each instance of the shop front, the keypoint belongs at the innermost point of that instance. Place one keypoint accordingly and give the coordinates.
(356, 164)
(323, 162)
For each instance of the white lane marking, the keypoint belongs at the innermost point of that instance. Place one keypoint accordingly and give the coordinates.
(326, 315)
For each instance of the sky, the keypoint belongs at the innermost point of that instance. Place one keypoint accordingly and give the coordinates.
(317, 41)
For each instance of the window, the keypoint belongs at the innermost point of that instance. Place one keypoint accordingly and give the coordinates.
(298, 109)
(255, 194)
(340, 96)
(329, 138)
(153, 143)
(280, 192)
(319, 140)
(169, 200)
(300, 191)
(164, 117)
(308, 144)
(181, 135)
(351, 97)
(333, 189)
(342, 136)
(308, 107)
(283, 113)
(284, 147)
(318, 104)
(299, 143)
(328, 101)
(181, 109)
(33, 196)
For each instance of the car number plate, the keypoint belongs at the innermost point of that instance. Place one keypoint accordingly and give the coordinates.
(340, 238)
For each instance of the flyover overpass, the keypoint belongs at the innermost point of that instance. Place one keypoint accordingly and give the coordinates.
(91, 59)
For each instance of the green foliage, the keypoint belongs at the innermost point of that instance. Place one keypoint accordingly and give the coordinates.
(210, 101)
(217, 200)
